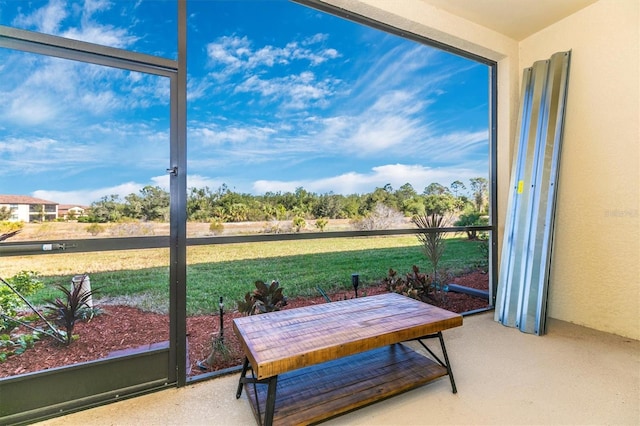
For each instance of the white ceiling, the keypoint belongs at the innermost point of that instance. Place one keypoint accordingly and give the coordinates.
(516, 19)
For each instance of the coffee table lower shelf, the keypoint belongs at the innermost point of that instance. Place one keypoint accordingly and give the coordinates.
(317, 393)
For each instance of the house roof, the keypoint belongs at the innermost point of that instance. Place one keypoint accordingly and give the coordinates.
(64, 208)
(71, 206)
(23, 199)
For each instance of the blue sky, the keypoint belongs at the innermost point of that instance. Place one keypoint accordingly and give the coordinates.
(280, 96)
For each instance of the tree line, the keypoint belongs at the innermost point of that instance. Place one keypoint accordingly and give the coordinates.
(224, 205)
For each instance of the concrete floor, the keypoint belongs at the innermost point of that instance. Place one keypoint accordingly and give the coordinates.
(571, 376)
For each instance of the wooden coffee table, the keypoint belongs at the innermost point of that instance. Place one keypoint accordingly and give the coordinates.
(313, 363)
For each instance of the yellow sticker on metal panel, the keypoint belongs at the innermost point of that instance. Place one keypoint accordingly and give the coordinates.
(520, 186)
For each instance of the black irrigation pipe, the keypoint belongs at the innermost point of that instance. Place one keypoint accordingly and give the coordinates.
(483, 294)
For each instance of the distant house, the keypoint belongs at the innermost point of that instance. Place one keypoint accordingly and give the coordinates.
(71, 211)
(29, 209)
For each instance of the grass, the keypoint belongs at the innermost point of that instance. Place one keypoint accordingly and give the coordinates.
(141, 277)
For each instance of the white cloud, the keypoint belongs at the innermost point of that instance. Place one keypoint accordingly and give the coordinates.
(92, 148)
(316, 38)
(65, 118)
(86, 196)
(358, 183)
(232, 54)
(263, 186)
(29, 110)
(398, 102)
(92, 6)
(193, 181)
(36, 97)
(198, 181)
(210, 134)
(384, 133)
(198, 88)
(406, 65)
(229, 51)
(61, 94)
(25, 156)
(394, 122)
(100, 102)
(456, 147)
(163, 181)
(13, 146)
(105, 35)
(293, 91)
(391, 129)
(47, 19)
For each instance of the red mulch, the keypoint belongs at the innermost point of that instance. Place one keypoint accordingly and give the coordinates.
(121, 328)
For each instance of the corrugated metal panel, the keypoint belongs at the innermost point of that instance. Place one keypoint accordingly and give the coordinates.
(526, 253)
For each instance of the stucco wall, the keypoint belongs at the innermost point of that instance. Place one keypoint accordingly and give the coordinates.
(595, 279)
(20, 213)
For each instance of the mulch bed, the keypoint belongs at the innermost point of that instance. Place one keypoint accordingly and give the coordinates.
(124, 329)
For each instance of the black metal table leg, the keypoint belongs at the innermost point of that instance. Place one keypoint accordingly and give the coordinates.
(444, 363)
(245, 367)
(272, 383)
(271, 401)
(447, 363)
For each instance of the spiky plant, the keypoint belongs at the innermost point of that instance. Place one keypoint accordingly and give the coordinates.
(69, 308)
(433, 243)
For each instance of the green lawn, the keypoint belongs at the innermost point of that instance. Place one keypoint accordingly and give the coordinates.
(141, 277)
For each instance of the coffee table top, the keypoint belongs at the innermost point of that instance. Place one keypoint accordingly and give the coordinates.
(286, 340)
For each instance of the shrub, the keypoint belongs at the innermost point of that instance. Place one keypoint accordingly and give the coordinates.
(216, 226)
(263, 299)
(276, 227)
(9, 227)
(298, 223)
(321, 224)
(272, 227)
(95, 229)
(416, 285)
(382, 217)
(471, 218)
(131, 229)
(16, 345)
(24, 282)
(483, 247)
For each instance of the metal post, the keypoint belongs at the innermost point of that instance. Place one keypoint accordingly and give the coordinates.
(221, 336)
(355, 281)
